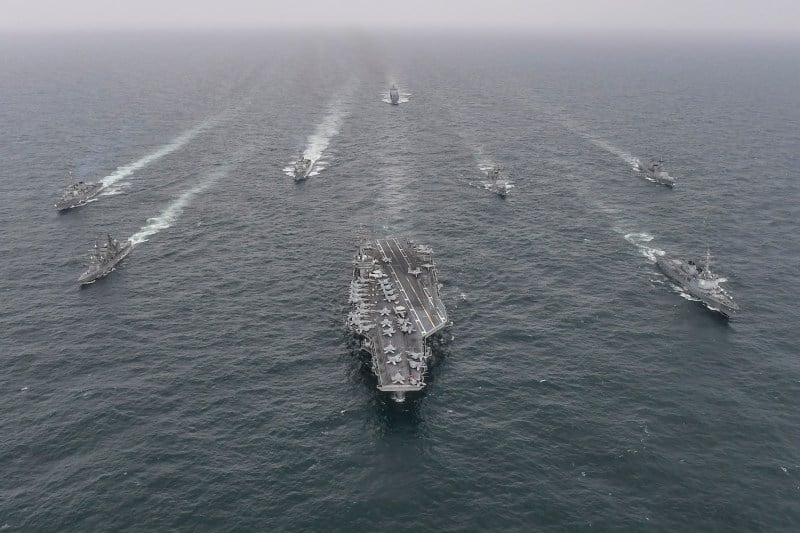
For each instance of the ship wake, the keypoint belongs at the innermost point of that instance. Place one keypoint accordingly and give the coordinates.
(610, 148)
(115, 189)
(641, 240)
(176, 144)
(318, 141)
(580, 130)
(173, 211)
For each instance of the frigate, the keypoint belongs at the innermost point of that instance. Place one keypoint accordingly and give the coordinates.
(700, 282)
(396, 306)
(394, 95)
(654, 171)
(302, 168)
(104, 258)
(495, 184)
(77, 194)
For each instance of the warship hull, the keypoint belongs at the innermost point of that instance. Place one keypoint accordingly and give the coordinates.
(652, 171)
(709, 300)
(66, 204)
(93, 275)
(499, 190)
(396, 306)
(301, 173)
(667, 181)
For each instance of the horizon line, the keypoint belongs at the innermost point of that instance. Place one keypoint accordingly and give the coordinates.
(618, 31)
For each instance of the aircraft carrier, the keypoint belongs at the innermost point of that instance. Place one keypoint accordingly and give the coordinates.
(396, 306)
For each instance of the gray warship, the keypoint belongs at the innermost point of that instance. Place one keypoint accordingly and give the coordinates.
(498, 186)
(302, 168)
(394, 95)
(104, 258)
(77, 194)
(700, 282)
(396, 306)
(654, 171)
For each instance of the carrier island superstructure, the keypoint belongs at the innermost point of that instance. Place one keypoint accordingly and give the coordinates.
(396, 306)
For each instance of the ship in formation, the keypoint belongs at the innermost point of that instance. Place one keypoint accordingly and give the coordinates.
(302, 168)
(654, 171)
(104, 258)
(495, 183)
(395, 307)
(700, 282)
(77, 194)
(394, 95)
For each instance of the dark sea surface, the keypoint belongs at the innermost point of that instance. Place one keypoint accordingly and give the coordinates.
(209, 383)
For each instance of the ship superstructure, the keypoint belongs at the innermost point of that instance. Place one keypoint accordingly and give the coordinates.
(77, 194)
(104, 258)
(302, 168)
(654, 171)
(700, 282)
(495, 183)
(396, 306)
(394, 95)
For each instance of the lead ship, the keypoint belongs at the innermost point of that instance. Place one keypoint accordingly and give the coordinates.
(396, 306)
(77, 194)
(104, 259)
(654, 170)
(394, 95)
(495, 184)
(302, 168)
(700, 282)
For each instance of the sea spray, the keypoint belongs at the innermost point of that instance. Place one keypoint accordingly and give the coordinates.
(640, 240)
(580, 130)
(173, 211)
(318, 141)
(610, 148)
(329, 127)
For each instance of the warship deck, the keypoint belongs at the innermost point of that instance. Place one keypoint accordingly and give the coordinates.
(396, 306)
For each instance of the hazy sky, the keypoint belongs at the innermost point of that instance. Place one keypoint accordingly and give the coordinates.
(717, 15)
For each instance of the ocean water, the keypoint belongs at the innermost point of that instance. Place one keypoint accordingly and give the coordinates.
(209, 383)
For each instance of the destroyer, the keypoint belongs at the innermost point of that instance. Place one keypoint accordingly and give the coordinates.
(700, 282)
(396, 306)
(654, 171)
(302, 168)
(77, 194)
(498, 186)
(394, 95)
(104, 259)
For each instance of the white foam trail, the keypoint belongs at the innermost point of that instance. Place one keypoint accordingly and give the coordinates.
(177, 143)
(485, 165)
(605, 145)
(173, 211)
(115, 189)
(639, 240)
(318, 141)
(625, 156)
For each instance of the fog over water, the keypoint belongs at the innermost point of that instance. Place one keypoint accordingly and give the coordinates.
(644, 15)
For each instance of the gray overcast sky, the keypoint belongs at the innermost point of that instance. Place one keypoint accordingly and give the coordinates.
(764, 16)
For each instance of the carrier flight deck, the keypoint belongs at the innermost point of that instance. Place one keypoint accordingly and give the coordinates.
(396, 306)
